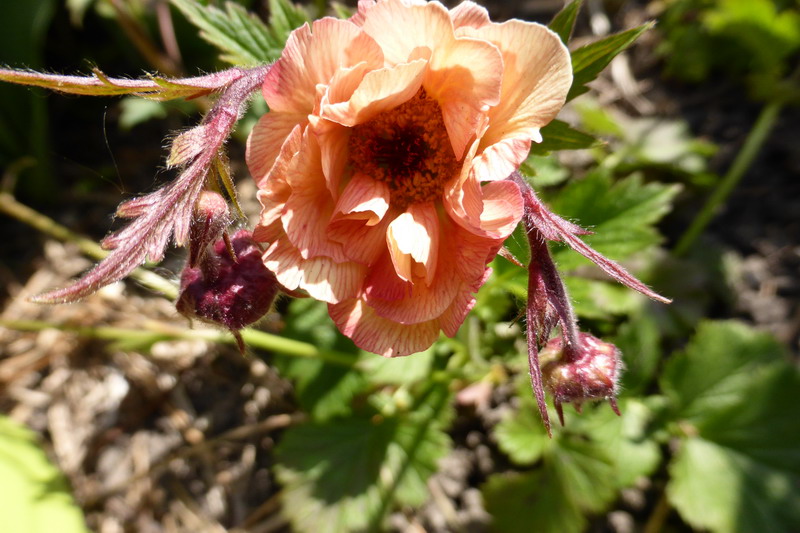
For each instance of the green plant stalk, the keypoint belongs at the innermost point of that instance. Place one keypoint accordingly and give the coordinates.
(752, 145)
(155, 332)
(11, 207)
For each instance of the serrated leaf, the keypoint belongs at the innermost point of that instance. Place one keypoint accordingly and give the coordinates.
(34, 496)
(588, 61)
(521, 436)
(734, 398)
(532, 501)
(718, 489)
(717, 365)
(564, 21)
(346, 474)
(621, 214)
(242, 37)
(559, 135)
(575, 479)
(597, 299)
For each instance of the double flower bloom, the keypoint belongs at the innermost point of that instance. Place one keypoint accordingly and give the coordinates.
(382, 163)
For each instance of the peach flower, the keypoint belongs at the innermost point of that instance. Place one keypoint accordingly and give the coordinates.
(382, 162)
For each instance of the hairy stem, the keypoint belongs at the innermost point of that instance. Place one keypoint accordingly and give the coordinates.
(11, 207)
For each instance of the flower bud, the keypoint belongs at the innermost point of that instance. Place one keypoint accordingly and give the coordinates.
(230, 286)
(589, 371)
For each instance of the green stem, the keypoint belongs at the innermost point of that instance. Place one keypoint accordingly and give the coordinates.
(154, 332)
(11, 207)
(755, 139)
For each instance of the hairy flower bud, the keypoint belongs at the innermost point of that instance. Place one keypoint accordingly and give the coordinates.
(589, 371)
(229, 286)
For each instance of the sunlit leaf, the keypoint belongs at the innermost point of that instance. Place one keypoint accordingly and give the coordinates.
(34, 496)
(559, 135)
(588, 61)
(346, 474)
(564, 20)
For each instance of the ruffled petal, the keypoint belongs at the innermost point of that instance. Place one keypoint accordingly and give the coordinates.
(363, 199)
(536, 80)
(379, 91)
(502, 208)
(308, 210)
(371, 332)
(265, 141)
(413, 242)
(469, 14)
(321, 277)
(313, 54)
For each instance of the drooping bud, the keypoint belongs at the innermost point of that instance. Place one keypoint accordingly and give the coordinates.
(589, 371)
(230, 286)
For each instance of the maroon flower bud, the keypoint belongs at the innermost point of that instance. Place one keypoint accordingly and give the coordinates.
(229, 285)
(589, 371)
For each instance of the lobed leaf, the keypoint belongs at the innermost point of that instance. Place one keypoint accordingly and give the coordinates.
(346, 474)
(621, 214)
(242, 37)
(733, 397)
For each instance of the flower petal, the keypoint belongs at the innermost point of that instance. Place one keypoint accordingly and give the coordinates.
(502, 208)
(378, 335)
(265, 141)
(469, 14)
(313, 54)
(536, 79)
(379, 91)
(413, 242)
(321, 277)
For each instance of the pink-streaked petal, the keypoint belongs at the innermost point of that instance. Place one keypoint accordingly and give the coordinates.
(452, 319)
(536, 80)
(375, 334)
(269, 227)
(502, 208)
(333, 141)
(382, 281)
(501, 159)
(465, 78)
(322, 278)
(469, 14)
(398, 28)
(379, 91)
(413, 242)
(309, 209)
(343, 84)
(362, 243)
(313, 54)
(363, 199)
(265, 141)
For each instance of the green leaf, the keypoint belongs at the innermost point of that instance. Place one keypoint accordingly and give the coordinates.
(621, 214)
(717, 365)
(397, 370)
(639, 341)
(34, 496)
(734, 399)
(242, 37)
(559, 135)
(346, 474)
(597, 299)
(588, 61)
(544, 171)
(531, 501)
(576, 479)
(522, 436)
(323, 389)
(564, 21)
